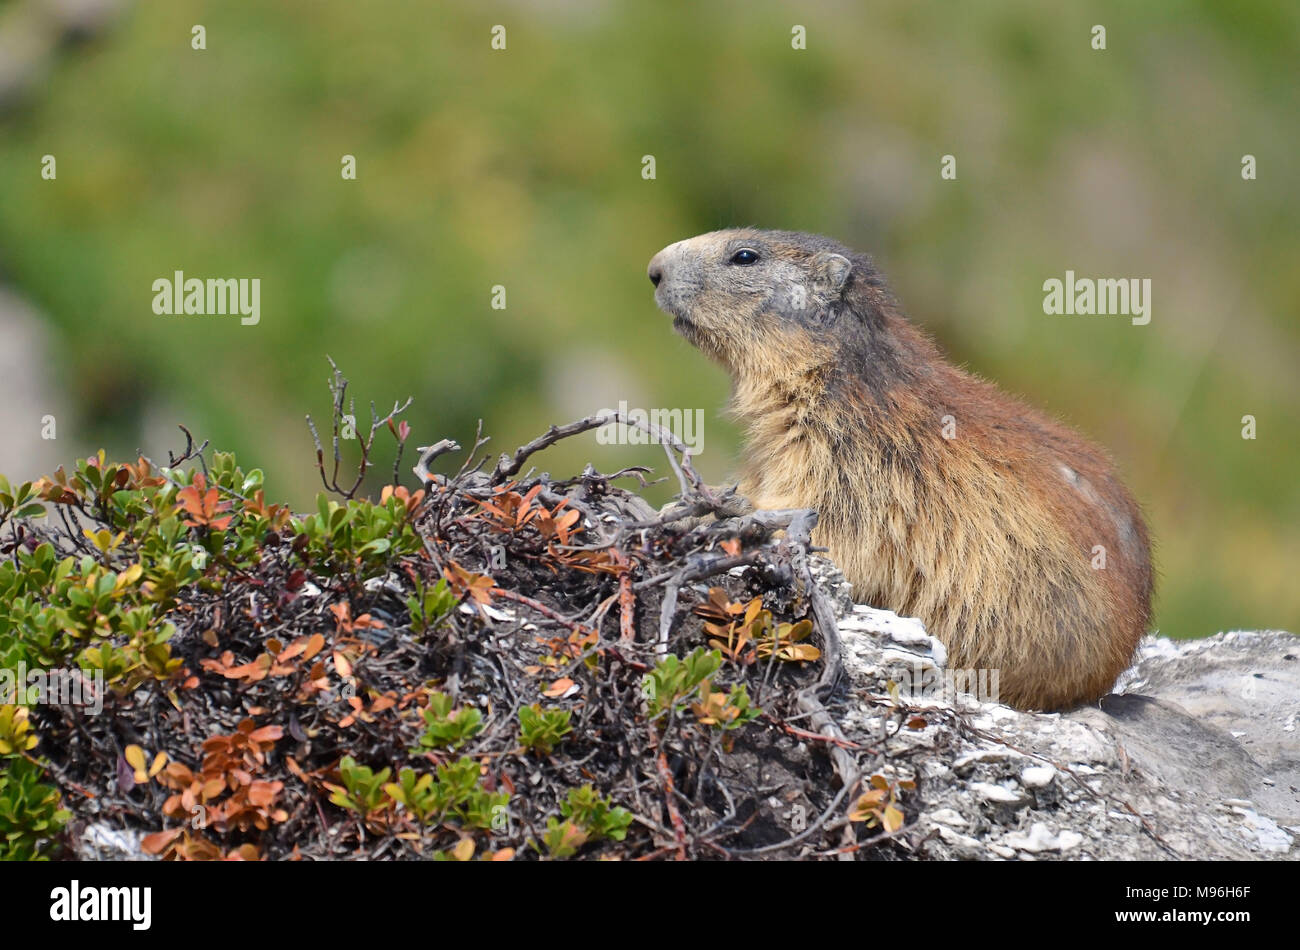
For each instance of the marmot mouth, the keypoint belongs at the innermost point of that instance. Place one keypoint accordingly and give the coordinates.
(690, 332)
(704, 341)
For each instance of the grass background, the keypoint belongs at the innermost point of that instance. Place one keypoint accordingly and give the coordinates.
(523, 168)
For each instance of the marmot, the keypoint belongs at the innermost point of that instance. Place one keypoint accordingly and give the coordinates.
(940, 497)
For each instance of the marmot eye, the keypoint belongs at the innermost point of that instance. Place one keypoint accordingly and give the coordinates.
(745, 257)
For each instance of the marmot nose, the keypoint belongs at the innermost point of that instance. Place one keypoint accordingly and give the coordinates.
(656, 269)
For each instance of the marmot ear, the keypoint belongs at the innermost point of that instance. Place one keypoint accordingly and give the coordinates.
(830, 272)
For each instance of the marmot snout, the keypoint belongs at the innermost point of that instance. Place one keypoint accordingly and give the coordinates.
(939, 496)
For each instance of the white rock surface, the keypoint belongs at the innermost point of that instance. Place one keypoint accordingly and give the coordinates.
(1194, 756)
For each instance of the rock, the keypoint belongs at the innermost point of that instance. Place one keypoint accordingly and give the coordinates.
(1037, 776)
(1243, 684)
(996, 794)
(947, 816)
(963, 845)
(831, 581)
(101, 841)
(1194, 756)
(964, 764)
(908, 633)
(1042, 839)
(1265, 830)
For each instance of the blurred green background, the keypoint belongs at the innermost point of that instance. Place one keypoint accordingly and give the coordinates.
(522, 168)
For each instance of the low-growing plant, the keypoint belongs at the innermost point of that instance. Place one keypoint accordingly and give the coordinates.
(878, 805)
(429, 605)
(540, 730)
(674, 680)
(16, 735)
(359, 539)
(30, 812)
(597, 816)
(456, 791)
(362, 790)
(462, 795)
(55, 611)
(782, 641)
(585, 817)
(21, 502)
(734, 627)
(563, 838)
(725, 711)
(415, 793)
(445, 729)
(254, 588)
(226, 791)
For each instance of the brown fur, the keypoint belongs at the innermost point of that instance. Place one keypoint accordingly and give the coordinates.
(987, 537)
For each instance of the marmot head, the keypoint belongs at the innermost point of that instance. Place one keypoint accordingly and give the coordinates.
(750, 299)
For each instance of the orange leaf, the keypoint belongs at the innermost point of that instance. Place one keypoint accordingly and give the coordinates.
(267, 734)
(177, 775)
(341, 664)
(263, 794)
(559, 687)
(157, 842)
